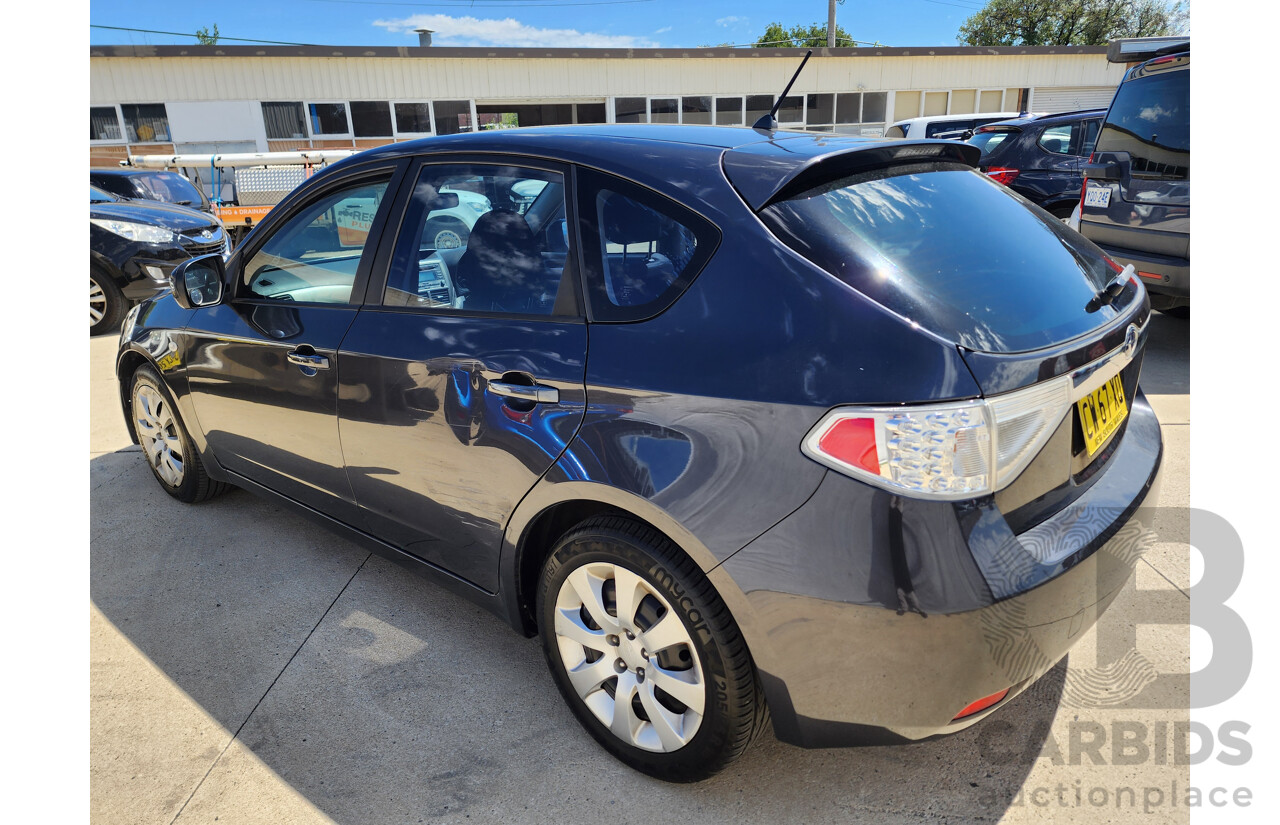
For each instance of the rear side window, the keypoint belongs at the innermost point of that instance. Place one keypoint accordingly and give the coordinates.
(1090, 130)
(897, 131)
(1056, 140)
(1151, 120)
(943, 245)
(941, 127)
(642, 249)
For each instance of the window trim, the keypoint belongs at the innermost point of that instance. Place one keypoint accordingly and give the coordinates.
(376, 286)
(395, 121)
(346, 110)
(120, 141)
(302, 198)
(589, 183)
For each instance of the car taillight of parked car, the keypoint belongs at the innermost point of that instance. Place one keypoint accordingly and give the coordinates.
(942, 451)
(1002, 174)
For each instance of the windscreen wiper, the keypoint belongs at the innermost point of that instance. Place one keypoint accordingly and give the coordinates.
(1111, 291)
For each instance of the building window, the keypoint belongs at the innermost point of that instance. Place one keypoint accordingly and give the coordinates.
(104, 123)
(630, 110)
(664, 110)
(146, 122)
(874, 106)
(413, 118)
(453, 116)
(728, 111)
(696, 110)
(757, 107)
(284, 121)
(329, 119)
(371, 118)
(820, 111)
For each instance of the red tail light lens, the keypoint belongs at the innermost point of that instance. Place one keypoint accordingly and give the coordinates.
(1002, 174)
(853, 441)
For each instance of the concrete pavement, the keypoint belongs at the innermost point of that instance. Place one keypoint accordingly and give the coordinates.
(248, 666)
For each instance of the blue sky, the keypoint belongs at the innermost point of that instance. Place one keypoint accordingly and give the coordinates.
(527, 23)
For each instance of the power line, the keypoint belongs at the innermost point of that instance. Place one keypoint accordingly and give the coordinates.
(192, 34)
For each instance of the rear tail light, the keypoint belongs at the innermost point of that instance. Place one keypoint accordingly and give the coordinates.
(1002, 174)
(942, 451)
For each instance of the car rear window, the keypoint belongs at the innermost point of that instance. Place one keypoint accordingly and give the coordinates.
(946, 247)
(990, 142)
(1151, 120)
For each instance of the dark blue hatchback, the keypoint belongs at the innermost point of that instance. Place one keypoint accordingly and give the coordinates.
(1040, 157)
(740, 423)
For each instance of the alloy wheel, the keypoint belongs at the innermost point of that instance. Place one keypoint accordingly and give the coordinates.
(629, 657)
(97, 302)
(158, 433)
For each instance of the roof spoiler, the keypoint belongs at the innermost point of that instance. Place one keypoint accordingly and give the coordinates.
(767, 172)
(1141, 49)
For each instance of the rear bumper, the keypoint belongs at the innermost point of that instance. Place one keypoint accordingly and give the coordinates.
(1162, 275)
(848, 671)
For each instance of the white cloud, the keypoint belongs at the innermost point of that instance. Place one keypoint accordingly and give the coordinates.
(664, 30)
(731, 20)
(472, 31)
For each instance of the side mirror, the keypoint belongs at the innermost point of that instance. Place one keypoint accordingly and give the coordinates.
(1106, 166)
(198, 282)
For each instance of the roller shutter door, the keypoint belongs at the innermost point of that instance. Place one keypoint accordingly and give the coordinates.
(1071, 98)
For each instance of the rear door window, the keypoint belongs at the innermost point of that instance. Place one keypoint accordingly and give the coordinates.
(1150, 119)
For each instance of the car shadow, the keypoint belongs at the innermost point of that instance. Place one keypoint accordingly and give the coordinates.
(1166, 364)
(380, 697)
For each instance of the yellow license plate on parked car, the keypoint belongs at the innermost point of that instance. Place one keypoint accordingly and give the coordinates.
(1101, 412)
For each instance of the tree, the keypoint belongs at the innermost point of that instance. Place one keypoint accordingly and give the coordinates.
(206, 37)
(1069, 22)
(813, 36)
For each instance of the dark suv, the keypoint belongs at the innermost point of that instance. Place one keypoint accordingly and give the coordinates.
(1136, 203)
(1040, 157)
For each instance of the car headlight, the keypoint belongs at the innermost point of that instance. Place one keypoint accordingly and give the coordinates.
(144, 232)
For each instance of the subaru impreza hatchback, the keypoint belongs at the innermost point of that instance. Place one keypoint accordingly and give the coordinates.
(740, 423)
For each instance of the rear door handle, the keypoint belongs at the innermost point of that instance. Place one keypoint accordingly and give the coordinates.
(305, 356)
(537, 393)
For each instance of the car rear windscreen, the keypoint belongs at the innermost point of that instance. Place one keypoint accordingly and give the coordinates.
(948, 248)
(1151, 120)
(990, 142)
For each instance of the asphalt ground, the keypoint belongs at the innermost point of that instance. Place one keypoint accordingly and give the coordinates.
(248, 666)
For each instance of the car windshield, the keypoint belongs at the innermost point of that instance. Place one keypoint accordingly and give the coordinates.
(169, 187)
(988, 142)
(943, 245)
(96, 195)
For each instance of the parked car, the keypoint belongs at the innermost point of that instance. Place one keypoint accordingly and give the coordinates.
(738, 424)
(150, 185)
(1039, 157)
(134, 246)
(945, 127)
(1136, 203)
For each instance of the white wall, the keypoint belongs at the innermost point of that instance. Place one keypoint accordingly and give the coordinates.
(213, 121)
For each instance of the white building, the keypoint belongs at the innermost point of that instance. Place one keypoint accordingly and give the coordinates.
(162, 99)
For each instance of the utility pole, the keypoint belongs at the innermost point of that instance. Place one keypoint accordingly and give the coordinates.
(831, 24)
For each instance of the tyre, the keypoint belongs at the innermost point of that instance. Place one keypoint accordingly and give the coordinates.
(1062, 213)
(645, 652)
(168, 449)
(446, 233)
(106, 303)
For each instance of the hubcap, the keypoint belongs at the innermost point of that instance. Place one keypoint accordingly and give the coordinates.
(97, 302)
(629, 657)
(448, 239)
(158, 433)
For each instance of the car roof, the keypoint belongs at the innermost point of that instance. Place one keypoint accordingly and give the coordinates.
(971, 115)
(1056, 117)
(760, 164)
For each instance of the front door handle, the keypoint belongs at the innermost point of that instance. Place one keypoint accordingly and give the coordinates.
(305, 356)
(536, 393)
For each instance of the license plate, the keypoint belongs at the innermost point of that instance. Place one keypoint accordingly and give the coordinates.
(1100, 196)
(1101, 412)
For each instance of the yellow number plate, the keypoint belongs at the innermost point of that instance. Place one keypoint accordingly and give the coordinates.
(1101, 412)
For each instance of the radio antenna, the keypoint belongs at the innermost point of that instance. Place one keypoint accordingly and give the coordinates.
(769, 122)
